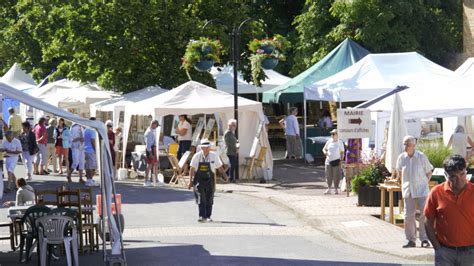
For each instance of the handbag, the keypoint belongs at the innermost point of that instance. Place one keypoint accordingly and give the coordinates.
(335, 162)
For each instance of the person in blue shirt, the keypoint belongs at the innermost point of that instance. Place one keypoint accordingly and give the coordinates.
(90, 161)
(292, 134)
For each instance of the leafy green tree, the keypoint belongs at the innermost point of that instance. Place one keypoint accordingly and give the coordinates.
(432, 28)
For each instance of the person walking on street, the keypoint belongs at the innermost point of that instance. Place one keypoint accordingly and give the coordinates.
(231, 149)
(14, 122)
(29, 147)
(151, 156)
(185, 135)
(90, 162)
(111, 137)
(77, 152)
(62, 136)
(51, 128)
(204, 165)
(41, 135)
(414, 169)
(334, 151)
(12, 147)
(449, 215)
(292, 133)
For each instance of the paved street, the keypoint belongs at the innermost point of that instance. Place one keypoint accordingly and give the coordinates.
(162, 229)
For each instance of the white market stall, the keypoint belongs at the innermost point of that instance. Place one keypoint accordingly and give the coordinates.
(106, 167)
(18, 79)
(224, 77)
(117, 105)
(193, 98)
(71, 95)
(377, 74)
(467, 68)
(452, 98)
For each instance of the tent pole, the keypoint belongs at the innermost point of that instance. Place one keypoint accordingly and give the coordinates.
(304, 129)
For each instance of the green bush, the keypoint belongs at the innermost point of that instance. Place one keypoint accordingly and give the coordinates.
(435, 151)
(370, 176)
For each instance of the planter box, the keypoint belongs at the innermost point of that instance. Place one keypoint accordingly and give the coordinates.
(370, 196)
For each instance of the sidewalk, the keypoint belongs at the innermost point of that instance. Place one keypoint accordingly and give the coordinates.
(300, 188)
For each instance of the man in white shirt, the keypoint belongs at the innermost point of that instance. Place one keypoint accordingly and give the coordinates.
(12, 147)
(292, 134)
(151, 156)
(414, 169)
(203, 178)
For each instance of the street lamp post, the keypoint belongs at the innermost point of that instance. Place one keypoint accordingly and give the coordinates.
(234, 59)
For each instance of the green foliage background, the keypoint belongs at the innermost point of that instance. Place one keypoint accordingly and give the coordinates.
(128, 45)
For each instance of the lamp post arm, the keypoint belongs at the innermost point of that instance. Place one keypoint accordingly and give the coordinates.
(214, 21)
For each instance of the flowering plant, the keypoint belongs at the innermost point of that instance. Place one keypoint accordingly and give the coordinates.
(200, 50)
(268, 48)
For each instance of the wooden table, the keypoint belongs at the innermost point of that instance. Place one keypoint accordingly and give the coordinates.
(390, 188)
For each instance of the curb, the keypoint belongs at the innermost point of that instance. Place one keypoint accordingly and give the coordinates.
(314, 223)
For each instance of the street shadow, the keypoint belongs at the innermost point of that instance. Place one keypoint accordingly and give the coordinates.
(232, 222)
(138, 194)
(183, 254)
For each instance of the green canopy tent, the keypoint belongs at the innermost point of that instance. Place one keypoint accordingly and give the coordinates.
(344, 55)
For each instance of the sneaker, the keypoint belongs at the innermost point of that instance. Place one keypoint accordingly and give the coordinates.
(410, 244)
(209, 220)
(201, 220)
(91, 183)
(336, 192)
(147, 184)
(327, 192)
(425, 244)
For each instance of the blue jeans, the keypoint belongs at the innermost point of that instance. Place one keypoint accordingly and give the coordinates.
(448, 256)
(233, 167)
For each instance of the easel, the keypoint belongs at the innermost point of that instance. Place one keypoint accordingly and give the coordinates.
(254, 160)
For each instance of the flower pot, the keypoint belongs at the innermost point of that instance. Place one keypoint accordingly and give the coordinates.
(269, 63)
(206, 49)
(370, 196)
(268, 49)
(204, 65)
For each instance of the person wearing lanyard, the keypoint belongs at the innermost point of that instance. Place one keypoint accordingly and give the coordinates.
(202, 178)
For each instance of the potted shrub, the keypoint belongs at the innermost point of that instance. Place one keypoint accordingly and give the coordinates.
(266, 53)
(201, 54)
(365, 185)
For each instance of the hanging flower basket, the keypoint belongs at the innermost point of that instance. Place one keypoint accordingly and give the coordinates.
(201, 54)
(266, 54)
(269, 63)
(204, 65)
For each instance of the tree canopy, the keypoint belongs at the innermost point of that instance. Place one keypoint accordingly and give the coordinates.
(128, 45)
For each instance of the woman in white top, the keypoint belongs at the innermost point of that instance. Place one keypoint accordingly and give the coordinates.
(458, 143)
(185, 134)
(25, 195)
(334, 151)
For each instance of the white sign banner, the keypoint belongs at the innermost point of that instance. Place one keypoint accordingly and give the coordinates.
(354, 123)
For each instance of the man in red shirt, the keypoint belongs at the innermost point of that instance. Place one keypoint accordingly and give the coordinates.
(41, 135)
(449, 215)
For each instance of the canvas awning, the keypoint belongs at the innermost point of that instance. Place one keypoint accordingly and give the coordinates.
(344, 55)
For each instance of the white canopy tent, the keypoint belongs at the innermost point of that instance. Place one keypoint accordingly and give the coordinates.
(53, 87)
(106, 166)
(452, 98)
(224, 77)
(18, 79)
(467, 68)
(377, 74)
(68, 94)
(117, 105)
(194, 98)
